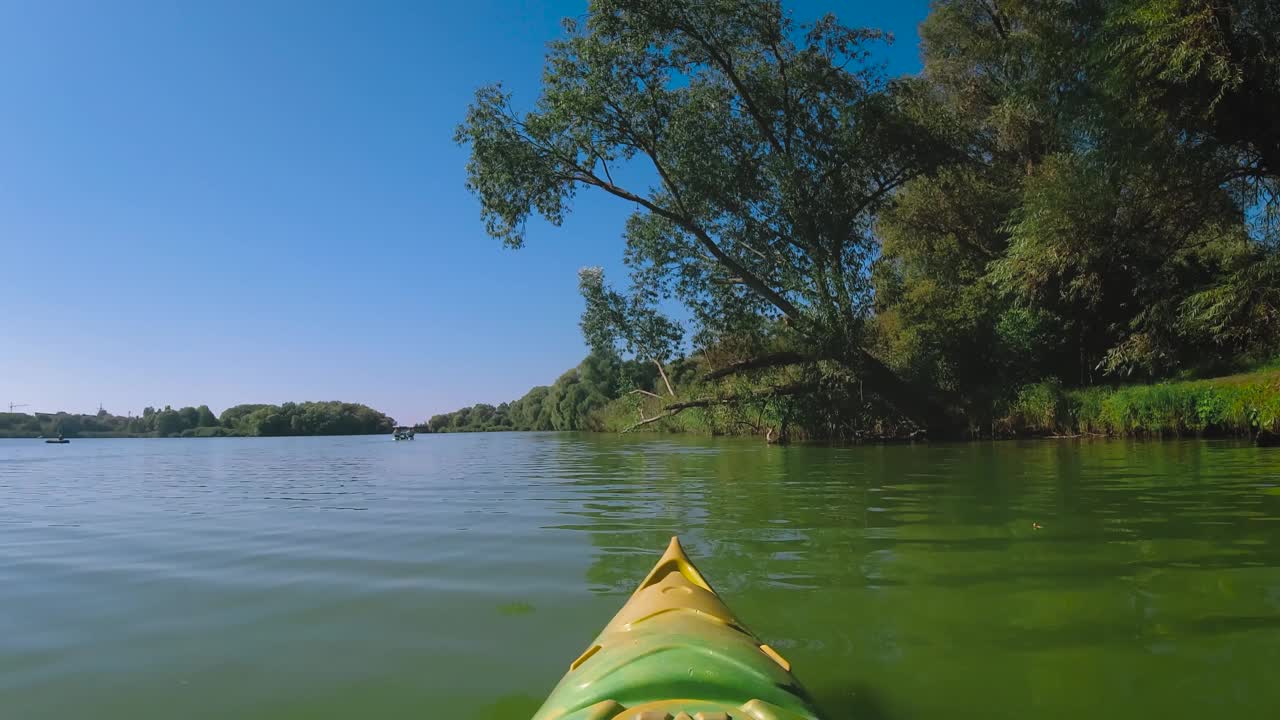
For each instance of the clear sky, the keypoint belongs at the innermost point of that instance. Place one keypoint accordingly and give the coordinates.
(228, 202)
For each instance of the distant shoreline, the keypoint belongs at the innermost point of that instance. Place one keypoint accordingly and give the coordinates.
(153, 436)
(328, 418)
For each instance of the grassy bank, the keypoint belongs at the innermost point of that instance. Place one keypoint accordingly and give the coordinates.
(820, 403)
(1245, 404)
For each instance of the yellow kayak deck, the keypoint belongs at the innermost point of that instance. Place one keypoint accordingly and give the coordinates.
(676, 652)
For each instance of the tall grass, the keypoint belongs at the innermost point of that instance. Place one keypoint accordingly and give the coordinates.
(1235, 405)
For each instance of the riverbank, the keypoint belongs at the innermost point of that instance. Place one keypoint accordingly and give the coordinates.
(1239, 405)
(1245, 404)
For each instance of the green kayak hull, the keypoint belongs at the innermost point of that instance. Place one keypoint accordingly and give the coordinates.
(676, 652)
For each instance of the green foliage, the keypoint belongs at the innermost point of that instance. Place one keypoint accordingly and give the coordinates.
(773, 146)
(20, 425)
(231, 417)
(610, 320)
(101, 424)
(206, 431)
(1235, 405)
(205, 417)
(1069, 196)
(1037, 408)
(573, 402)
(1208, 68)
(170, 422)
(309, 418)
(1243, 310)
(1111, 209)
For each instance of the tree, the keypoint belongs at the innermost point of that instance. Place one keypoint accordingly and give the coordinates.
(66, 424)
(609, 319)
(1086, 225)
(1208, 72)
(530, 412)
(306, 418)
(1076, 192)
(572, 402)
(205, 417)
(233, 418)
(1210, 68)
(168, 422)
(772, 147)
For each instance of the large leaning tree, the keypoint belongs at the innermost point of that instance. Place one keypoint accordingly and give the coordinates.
(756, 152)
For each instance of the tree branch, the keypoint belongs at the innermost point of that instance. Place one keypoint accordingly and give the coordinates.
(725, 63)
(663, 373)
(752, 281)
(787, 113)
(993, 12)
(748, 278)
(777, 359)
(677, 408)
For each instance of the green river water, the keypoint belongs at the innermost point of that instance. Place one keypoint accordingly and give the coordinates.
(456, 576)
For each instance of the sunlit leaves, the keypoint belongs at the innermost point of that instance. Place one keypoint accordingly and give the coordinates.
(771, 146)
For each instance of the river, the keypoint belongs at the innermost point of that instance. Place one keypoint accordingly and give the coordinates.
(455, 576)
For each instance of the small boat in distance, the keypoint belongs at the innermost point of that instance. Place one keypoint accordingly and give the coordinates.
(403, 433)
(58, 440)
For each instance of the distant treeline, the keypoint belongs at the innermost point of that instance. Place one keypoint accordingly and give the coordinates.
(574, 402)
(307, 418)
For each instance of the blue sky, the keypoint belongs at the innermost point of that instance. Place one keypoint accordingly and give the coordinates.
(228, 202)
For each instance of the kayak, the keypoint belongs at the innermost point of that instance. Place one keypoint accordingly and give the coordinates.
(676, 652)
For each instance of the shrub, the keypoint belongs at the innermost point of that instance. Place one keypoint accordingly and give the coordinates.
(1039, 408)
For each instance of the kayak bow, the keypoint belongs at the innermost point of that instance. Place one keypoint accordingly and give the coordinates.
(676, 652)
